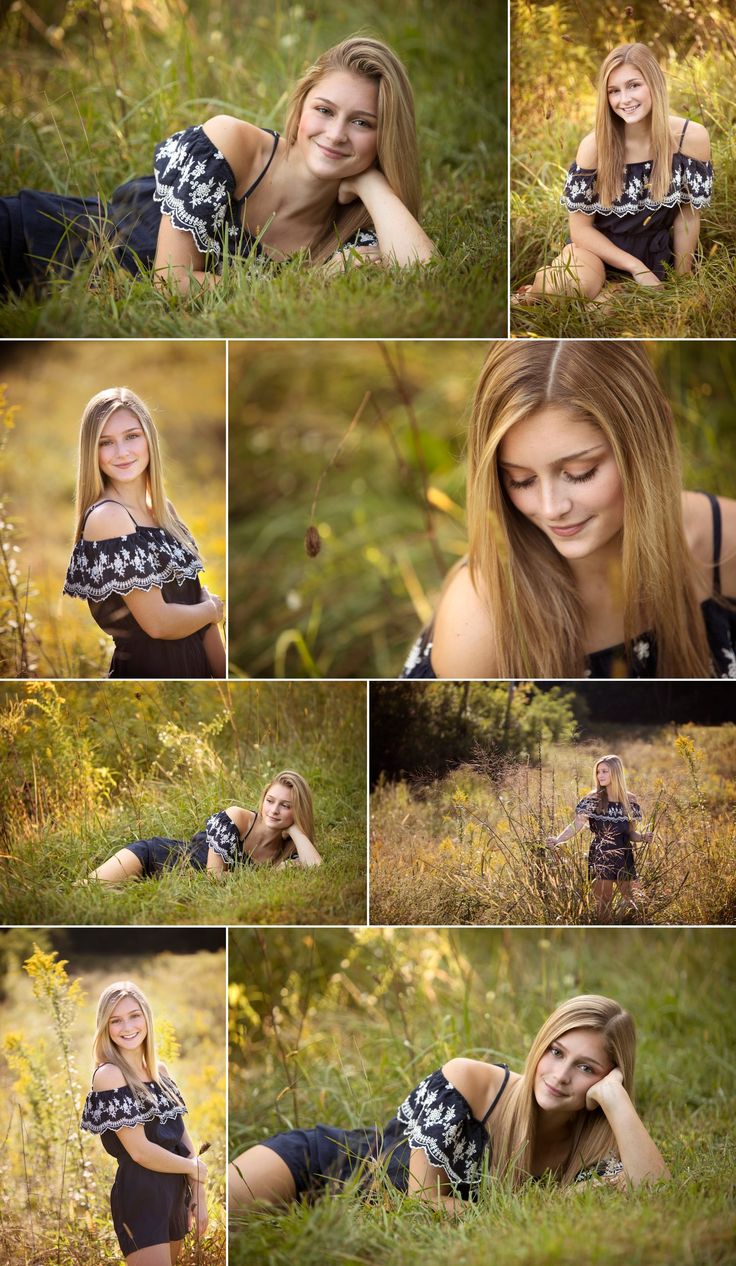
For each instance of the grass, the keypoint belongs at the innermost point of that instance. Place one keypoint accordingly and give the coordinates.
(88, 101)
(99, 766)
(548, 127)
(469, 847)
(56, 1207)
(397, 1004)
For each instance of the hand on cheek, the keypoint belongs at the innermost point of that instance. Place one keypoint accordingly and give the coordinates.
(597, 1093)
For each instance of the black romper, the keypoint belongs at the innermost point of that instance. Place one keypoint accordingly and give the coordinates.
(147, 1208)
(220, 834)
(611, 855)
(635, 222)
(719, 620)
(192, 182)
(434, 1117)
(147, 558)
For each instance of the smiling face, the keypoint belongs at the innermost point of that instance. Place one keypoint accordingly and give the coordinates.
(278, 810)
(569, 1067)
(338, 128)
(127, 1025)
(559, 471)
(603, 774)
(122, 448)
(628, 94)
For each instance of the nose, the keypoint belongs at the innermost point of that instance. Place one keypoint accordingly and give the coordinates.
(337, 129)
(556, 501)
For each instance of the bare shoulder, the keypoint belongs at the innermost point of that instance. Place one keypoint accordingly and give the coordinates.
(107, 520)
(698, 522)
(162, 1068)
(108, 1077)
(462, 638)
(241, 143)
(587, 155)
(477, 1082)
(695, 142)
(242, 818)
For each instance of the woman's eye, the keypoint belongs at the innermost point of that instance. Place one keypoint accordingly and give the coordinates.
(521, 483)
(581, 479)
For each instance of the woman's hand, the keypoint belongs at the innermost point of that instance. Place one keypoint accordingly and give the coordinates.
(218, 606)
(647, 836)
(199, 1171)
(605, 1090)
(198, 1217)
(401, 240)
(645, 277)
(551, 841)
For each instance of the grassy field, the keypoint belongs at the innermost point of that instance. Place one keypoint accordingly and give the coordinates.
(91, 89)
(91, 768)
(387, 1007)
(469, 847)
(551, 111)
(45, 389)
(56, 1179)
(390, 507)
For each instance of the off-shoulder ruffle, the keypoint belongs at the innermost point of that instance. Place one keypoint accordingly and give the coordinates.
(614, 813)
(145, 559)
(195, 184)
(439, 1120)
(692, 182)
(116, 1109)
(223, 837)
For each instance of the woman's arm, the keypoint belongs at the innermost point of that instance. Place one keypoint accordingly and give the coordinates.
(307, 853)
(576, 825)
(431, 1183)
(215, 651)
(584, 234)
(140, 1148)
(686, 229)
(242, 819)
(198, 1213)
(640, 1157)
(400, 239)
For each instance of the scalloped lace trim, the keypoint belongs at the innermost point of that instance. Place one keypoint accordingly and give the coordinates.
(120, 587)
(698, 201)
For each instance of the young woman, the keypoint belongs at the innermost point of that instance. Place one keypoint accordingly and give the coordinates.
(610, 811)
(136, 1108)
(585, 557)
(636, 189)
(344, 175)
(279, 832)
(134, 560)
(570, 1114)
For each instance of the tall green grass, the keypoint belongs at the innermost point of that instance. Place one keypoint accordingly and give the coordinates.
(396, 1005)
(87, 102)
(557, 50)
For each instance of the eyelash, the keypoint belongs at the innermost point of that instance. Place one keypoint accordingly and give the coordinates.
(326, 110)
(573, 479)
(132, 436)
(586, 1068)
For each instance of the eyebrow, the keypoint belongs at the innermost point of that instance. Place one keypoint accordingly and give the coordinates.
(631, 80)
(571, 457)
(332, 103)
(581, 1059)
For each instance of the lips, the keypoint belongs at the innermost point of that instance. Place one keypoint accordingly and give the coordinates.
(570, 529)
(557, 1094)
(331, 153)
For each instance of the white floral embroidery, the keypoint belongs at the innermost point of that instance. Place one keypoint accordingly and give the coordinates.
(642, 649)
(100, 568)
(437, 1119)
(692, 182)
(223, 837)
(114, 1109)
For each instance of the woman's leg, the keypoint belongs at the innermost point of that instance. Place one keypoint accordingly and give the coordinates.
(175, 1249)
(259, 1175)
(576, 271)
(631, 893)
(124, 865)
(603, 893)
(156, 1255)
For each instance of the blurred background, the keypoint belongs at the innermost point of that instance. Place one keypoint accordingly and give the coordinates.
(44, 387)
(56, 1179)
(389, 514)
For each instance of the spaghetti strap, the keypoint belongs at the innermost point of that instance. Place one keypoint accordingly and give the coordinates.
(717, 540)
(682, 136)
(500, 1092)
(252, 188)
(250, 828)
(106, 501)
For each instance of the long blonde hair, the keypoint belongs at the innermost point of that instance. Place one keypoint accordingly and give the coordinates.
(533, 602)
(91, 484)
(106, 1052)
(396, 130)
(302, 807)
(514, 1123)
(617, 789)
(610, 128)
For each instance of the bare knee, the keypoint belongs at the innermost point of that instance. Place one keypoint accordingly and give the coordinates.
(125, 864)
(259, 1176)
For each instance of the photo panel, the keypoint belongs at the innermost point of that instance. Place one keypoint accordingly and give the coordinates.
(183, 803)
(113, 1070)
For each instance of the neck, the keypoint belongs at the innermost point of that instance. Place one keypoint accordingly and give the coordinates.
(599, 570)
(297, 191)
(131, 494)
(638, 133)
(555, 1127)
